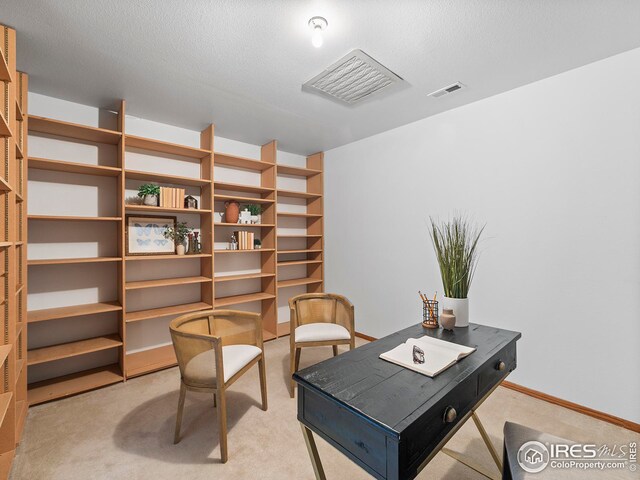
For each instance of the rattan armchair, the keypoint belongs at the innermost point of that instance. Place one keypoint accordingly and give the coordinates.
(319, 319)
(214, 345)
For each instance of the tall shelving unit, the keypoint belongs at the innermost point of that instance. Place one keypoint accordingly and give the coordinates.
(249, 282)
(79, 381)
(310, 254)
(13, 121)
(265, 195)
(160, 357)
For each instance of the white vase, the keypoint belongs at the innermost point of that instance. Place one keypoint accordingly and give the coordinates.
(460, 307)
(180, 249)
(150, 200)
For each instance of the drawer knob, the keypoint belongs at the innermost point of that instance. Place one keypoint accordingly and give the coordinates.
(500, 365)
(450, 415)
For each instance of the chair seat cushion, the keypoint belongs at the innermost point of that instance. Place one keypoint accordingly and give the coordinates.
(321, 332)
(201, 369)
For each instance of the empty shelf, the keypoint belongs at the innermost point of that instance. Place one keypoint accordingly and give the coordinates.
(72, 311)
(297, 171)
(223, 198)
(73, 218)
(165, 311)
(291, 193)
(236, 299)
(163, 178)
(170, 256)
(285, 252)
(240, 162)
(71, 384)
(299, 215)
(150, 360)
(236, 187)
(298, 281)
(73, 167)
(72, 349)
(255, 250)
(165, 147)
(165, 282)
(244, 276)
(297, 262)
(72, 130)
(63, 261)
(223, 224)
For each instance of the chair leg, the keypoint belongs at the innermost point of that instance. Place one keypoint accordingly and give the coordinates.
(292, 370)
(298, 351)
(263, 383)
(183, 393)
(214, 401)
(335, 350)
(222, 423)
(352, 343)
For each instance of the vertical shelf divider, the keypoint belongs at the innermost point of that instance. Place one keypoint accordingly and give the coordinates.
(315, 226)
(121, 226)
(268, 154)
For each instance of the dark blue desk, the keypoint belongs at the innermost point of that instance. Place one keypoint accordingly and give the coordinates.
(390, 420)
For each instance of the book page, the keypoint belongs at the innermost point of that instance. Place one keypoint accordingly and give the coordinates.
(426, 342)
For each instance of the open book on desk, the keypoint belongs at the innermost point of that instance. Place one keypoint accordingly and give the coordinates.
(438, 355)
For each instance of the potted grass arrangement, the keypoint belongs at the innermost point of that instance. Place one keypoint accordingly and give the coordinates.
(456, 246)
(178, 234)
(255, 211)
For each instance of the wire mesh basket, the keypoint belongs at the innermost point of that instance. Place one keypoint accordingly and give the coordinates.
(430, 314)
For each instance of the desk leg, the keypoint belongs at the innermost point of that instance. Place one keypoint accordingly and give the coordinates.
(313, 453)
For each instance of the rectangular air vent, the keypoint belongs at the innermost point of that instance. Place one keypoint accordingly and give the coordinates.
(353, 78)
(446, 90)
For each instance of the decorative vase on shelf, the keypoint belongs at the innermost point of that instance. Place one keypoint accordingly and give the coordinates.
(231, 212)
(180, 249)
(447, 319)
(150, 200)
(460, 308)
(255, 219)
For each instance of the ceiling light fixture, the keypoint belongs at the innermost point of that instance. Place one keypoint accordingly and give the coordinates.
(317, 25)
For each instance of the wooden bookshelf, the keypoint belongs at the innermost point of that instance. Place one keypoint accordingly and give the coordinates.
(67, 261)
(147, 258)
(165, 282)
(236, 252)
(296, 249)
(73, 167)
(165, 147)
(172, 310)
(72, 349)
(243, 276)
(149, 208)
(245, 298)
(151, 360)
(74, 383)
(72, 218)
(238, 187)
(162, 178)
(73, 131)
(224, 198)
(241, 162)
(249, 225)
(13, 268)
(43, 315)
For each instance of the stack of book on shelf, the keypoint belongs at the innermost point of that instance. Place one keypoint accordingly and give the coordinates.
(245, 240)
(171, 197)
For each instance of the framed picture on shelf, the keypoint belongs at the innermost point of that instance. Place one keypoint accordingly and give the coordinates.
(144, 235)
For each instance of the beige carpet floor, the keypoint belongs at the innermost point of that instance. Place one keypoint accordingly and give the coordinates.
(125, 431)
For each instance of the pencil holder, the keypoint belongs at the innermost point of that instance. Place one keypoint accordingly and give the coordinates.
(430, 314)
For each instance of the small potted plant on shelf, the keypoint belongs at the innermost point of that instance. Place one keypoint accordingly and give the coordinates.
(178, 234)
(257, 244)
(455, 243)
(255, 211)
(149, 194)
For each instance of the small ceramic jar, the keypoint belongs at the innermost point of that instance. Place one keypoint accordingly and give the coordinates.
(447, 319)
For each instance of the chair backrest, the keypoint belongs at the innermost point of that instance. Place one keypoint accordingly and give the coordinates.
(198, 332)
(321, 308)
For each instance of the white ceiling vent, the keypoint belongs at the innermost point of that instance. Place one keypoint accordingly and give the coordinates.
(446, 90)
(353, 78)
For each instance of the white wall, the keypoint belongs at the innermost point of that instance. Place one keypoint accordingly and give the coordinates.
(553, 168)
(59, 193)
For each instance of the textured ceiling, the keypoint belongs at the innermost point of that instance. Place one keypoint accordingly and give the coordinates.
(241, 64)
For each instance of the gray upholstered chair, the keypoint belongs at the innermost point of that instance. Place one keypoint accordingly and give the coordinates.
(214, 348)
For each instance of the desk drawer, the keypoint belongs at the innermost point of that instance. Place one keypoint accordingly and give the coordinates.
(496, 369)
(351, 432)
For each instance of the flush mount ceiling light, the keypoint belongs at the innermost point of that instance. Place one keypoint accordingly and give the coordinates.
(317, 25)
(354, 78)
